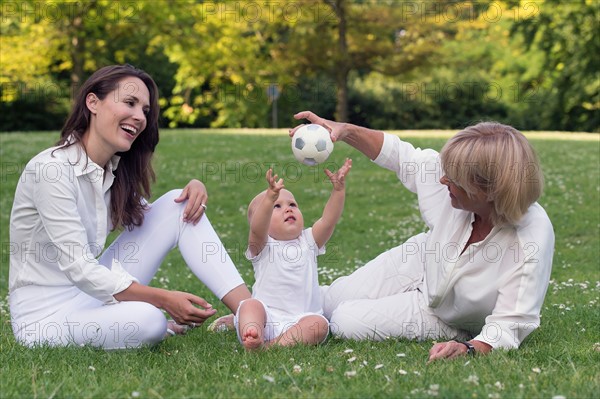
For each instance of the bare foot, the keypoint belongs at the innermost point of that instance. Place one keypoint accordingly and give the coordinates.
(176, 329)
(223, 323)
(251, 339)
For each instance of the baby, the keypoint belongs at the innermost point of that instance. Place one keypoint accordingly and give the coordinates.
(285, 308)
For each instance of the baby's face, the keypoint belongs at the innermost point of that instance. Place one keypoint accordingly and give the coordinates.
(287, 221)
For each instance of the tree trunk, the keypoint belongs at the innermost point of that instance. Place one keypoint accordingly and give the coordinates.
(343, 63)
(77, 50)
(341, 108)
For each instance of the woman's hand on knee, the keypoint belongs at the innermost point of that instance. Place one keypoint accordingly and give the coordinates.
(186, 308)
(196, 196)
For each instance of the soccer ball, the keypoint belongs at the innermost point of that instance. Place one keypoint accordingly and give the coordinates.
(311, 144)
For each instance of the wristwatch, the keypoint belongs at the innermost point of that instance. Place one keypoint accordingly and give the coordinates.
(470, 348)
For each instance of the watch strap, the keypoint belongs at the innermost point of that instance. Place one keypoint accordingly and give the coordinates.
(470, 348)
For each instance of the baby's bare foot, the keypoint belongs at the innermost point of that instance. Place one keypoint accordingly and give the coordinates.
(251, 339)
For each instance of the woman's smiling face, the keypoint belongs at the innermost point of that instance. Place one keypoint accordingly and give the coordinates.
(116, 120)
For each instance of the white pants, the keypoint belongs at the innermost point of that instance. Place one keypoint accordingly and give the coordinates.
(61, 316)
(384, 299)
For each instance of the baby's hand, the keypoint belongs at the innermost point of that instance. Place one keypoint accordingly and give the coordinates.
(275, 185)
(338, 179)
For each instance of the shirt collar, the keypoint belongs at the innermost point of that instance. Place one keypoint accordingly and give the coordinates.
(83, 164)
(113, 163)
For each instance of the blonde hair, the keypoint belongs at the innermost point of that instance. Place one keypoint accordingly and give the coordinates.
(256, 200)
(497, 160)
(254, 203)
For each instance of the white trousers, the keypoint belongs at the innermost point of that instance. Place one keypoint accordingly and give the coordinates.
(72, 317)
(384, 299)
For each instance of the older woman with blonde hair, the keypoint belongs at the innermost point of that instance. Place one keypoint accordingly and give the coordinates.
(477, 278)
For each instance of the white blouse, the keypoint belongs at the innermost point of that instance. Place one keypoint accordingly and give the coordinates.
(496, 288)
(59, 223)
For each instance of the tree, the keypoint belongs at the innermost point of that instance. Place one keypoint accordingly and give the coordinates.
(567, 33)
(223, 66)
(338, 37)
(49, 49)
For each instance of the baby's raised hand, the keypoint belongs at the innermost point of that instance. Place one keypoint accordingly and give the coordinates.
(275, 184)
(338, 179)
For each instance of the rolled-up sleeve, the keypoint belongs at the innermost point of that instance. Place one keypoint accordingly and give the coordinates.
(419, 170)
(516, 314)
(70, 246)
(521, 295)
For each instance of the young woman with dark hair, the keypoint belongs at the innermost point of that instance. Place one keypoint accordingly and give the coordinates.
(65, 287)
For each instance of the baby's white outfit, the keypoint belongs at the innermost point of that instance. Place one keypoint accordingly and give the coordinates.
(287, 282)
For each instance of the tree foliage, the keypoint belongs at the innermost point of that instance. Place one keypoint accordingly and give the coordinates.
(567, 33)
(385, 63)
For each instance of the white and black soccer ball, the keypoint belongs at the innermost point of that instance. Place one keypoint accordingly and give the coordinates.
(311, 144)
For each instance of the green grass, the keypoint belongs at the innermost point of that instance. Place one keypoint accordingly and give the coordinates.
(560, 358)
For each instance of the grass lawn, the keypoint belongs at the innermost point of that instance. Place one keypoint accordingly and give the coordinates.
(560, 359)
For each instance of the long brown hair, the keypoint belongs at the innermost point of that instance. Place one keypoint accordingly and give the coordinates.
(134, 174)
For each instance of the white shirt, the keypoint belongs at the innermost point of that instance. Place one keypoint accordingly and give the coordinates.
(59, 223)
(286, 275)
(496, 288)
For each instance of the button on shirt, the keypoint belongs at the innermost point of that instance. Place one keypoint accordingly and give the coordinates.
(495, 289)
(59, 223)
